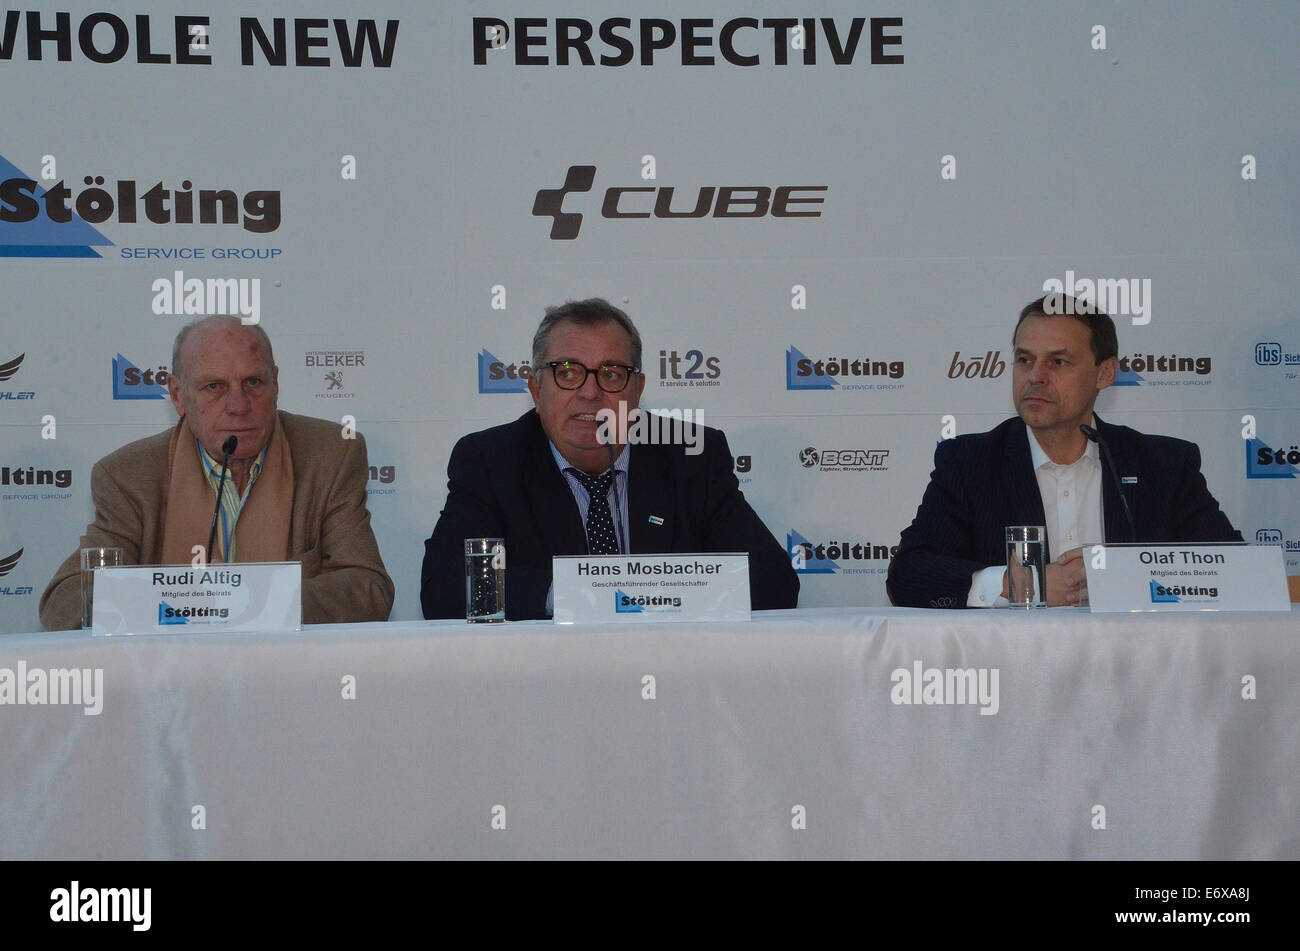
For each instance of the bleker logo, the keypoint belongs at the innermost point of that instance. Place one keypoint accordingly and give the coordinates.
(497, 376)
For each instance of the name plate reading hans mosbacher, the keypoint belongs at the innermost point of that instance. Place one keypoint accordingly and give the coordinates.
(1194, 577)
(182, 599)
(600, 589)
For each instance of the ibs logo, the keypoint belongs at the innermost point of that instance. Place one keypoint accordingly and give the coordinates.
(497, 376)
(645, 603)
(1176, 594)
(1265, 462)
(693, 369)
(1131, 369)
(844, 460)
(1272, 354)
(823, 558)
(803, 373)
(1268, 354)
(132, 383)
(7, 566)
(1290, 546)
(717, 201)
(8, 371)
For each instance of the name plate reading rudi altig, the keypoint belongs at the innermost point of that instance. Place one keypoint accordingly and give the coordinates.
(600, 589)
(181, 599)
(1195, 577)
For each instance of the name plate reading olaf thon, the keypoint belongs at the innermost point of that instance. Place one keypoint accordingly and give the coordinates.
(600, 589)
(182, 599)
(1196, 577)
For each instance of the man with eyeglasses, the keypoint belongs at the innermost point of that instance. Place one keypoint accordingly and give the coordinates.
(548, 485)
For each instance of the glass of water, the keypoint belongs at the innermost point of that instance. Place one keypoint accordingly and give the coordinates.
(1026, 570)
(92, 559)
(485, 580)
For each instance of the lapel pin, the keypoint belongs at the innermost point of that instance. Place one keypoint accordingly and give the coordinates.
(656, 520)
(1129, 480)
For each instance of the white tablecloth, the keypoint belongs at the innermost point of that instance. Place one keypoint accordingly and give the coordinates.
(1114, 737)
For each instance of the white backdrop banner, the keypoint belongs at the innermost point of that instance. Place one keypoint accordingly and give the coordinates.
(823, 218)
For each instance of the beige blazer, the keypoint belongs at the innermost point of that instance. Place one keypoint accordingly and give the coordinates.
(329, 526)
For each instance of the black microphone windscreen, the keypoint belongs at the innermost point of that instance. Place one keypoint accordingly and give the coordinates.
(228, 447)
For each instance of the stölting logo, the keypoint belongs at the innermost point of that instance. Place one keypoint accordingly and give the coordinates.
(824, 558)
(1151, 369)
(1265, 462)
(58, 222)
(132, 383)
(652, 201)
(497, 376)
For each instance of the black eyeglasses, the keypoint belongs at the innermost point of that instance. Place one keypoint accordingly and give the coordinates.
(610, 377)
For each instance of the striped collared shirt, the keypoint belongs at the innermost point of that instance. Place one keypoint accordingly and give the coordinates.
(232, 503)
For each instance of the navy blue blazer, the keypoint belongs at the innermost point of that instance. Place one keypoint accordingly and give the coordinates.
(983, 482)
(503, 483)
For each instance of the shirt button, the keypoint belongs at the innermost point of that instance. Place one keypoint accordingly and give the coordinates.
(1067, 493)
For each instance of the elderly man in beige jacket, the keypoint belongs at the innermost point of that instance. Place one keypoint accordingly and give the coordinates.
(296, 488)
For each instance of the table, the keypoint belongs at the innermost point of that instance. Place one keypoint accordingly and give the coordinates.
(1108, 737)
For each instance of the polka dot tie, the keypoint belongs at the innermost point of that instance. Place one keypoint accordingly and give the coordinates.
(601, 539)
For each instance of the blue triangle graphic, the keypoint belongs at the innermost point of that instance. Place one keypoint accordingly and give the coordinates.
(41, 237)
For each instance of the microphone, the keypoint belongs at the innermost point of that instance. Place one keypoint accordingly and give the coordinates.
(1095, 436)
(618, 507)
(227, 450)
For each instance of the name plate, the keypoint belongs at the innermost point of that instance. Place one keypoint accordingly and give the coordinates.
(1196, 577)
(180, 599)
(603, 589)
